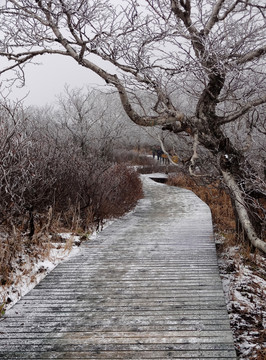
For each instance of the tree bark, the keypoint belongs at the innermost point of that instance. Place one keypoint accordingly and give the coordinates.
(242, 212)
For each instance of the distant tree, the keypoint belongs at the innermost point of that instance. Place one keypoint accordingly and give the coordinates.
(78, 111)
(202, 62)
(97, 123)
(92, 120)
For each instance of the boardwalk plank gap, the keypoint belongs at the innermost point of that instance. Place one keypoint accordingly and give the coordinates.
(148, 287)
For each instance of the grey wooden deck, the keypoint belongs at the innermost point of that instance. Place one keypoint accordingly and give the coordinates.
(147, 288)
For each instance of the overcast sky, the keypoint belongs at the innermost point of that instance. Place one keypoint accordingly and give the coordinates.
(45, 82)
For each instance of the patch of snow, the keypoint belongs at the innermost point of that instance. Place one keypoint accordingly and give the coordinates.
(29, 272)
(244, 284)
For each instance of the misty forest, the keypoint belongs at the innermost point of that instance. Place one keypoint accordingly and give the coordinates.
(184, 76)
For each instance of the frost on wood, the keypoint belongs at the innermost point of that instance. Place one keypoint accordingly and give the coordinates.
(147, 286)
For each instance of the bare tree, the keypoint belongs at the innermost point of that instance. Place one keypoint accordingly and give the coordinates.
(97, 123)
(207, 54)
(77, 115)
(92, 119)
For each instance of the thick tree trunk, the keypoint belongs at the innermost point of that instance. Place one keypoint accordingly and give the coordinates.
(242, 212)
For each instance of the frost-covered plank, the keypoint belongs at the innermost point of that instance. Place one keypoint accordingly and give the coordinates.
(147, 288)
(118, 355)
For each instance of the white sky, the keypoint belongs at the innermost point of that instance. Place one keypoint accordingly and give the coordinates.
(44, 82)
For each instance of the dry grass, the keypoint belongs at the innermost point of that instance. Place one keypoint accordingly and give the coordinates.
(13, 248)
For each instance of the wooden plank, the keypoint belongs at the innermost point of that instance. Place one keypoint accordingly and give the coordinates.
(124, 355)
(147, 288)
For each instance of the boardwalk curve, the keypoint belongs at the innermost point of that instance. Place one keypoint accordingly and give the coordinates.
(147, 287)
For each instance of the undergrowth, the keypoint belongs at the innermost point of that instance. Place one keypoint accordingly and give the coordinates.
(114, 193)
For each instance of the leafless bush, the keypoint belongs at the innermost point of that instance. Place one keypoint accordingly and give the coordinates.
(48, 182)
(118, 190)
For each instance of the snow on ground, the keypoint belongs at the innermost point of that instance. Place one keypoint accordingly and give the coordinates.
(29, 272)
(244, 282)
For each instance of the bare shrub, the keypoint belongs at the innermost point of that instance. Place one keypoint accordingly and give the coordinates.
(48, 182)
(119, 190)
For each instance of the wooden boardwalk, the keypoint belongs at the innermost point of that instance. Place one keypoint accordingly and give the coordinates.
(147, 287)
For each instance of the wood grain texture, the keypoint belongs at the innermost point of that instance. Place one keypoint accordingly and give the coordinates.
(148, 287)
